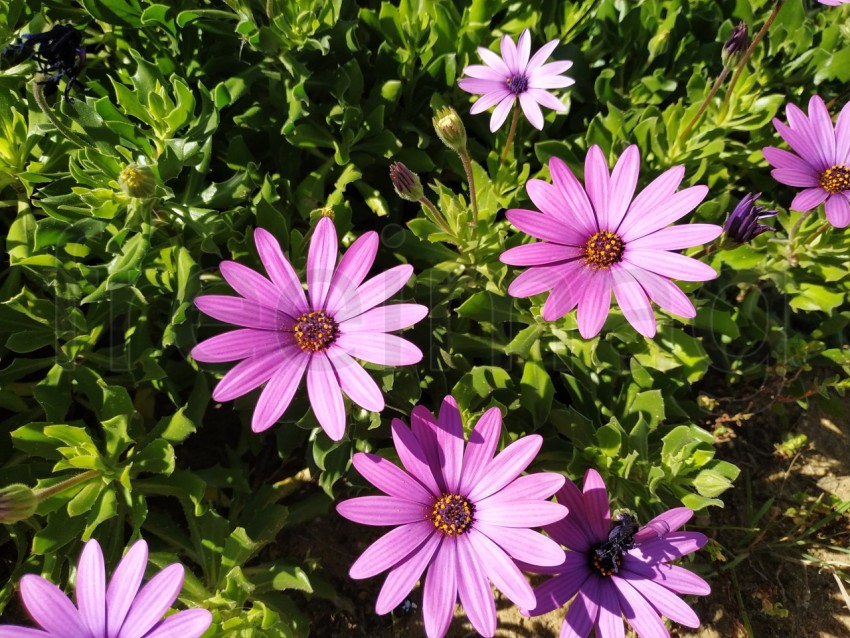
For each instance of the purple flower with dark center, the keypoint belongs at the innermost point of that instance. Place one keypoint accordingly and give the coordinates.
(743, 226)
(283, 335)
(602, 239)
(501, 81)
(462, 514)
(616, 569)
(821, 166)
(120, 610)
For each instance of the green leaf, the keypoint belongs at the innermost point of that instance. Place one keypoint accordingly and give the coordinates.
(536, 391)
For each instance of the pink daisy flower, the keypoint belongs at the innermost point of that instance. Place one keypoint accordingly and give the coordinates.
(120, 610)
(821, 165)
(283, 335)
(834, 3)
(461, 514)
(601, 239)
(616, 569)
(501, 81)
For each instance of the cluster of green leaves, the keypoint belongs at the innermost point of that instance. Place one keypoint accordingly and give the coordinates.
(202, 121)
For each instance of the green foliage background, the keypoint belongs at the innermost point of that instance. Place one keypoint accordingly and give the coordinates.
(250, 113)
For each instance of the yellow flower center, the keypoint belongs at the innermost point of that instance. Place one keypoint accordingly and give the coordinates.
(452, 514)
(835, 179)
(603, 249)
(316, 330)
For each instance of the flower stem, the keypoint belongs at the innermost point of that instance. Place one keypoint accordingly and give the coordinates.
(748, 54)
(473, 200)
(705, 102)
(511, 133)
(437, 215)
(38, 94)
(47, 492)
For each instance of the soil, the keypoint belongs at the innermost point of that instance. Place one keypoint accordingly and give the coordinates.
(780, 586)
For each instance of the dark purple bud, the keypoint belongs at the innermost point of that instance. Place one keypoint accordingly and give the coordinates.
(743, 226)
(736, 44)
(406, 182)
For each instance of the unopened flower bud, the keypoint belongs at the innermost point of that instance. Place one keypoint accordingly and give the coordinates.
(743, 226)
(406, 182)
(137, 180)
(736, 44)
(17, 503)
(450, 128)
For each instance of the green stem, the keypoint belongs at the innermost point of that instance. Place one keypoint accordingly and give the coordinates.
(705, 102)
(473, 200)
(511, 133)
(47, 492)
(747, 55)
(437, 215)
(792, 234)
(38, 94)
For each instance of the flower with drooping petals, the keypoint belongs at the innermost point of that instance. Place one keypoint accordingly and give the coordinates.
(616, 569)
(501, 81)
(821, 165)
(600, 239)
(283, 335)
(743, 225)
(120, 610)
(462, 514)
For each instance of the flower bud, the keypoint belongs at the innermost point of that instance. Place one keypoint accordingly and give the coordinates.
(736, 44)
(406, 182)
(742, 225)
(137, 180)
(17, 503)
(450, 129)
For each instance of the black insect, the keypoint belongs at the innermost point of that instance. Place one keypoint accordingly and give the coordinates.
(608, 557)
(59, 54)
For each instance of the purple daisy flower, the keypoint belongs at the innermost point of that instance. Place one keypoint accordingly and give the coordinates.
(463, 515)
(834, 3)
(284, 335)
(600, 239)
(117, 611)
(616, 569)
(501, 81)
(821, 165)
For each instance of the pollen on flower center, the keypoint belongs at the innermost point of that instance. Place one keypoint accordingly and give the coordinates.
(835, 179)
(452, 514)
(603, 249)
(517, 84)
(316, 330)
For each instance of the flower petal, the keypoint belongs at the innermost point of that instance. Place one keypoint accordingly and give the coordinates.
(241, 343)
(842, 136)
(500, 569)
(594, 305)
(190, 623)
(568, 291)
(532, 110)
(424, 427)
(383, 349)
(123, 586)
(557, 591)
(678, 237)
(523, 49)
(249, 374)
(665, 602)
(541, 485)
(634, 303)
(596, 505)
(640, 222)
(663, 292)
(528, 546)
(808, 199)
(280, 270)
(583, 611)
(669, 264)
(277, 395)
(623, 182)
(506, 466)
(321, 259)
(357, 384)
(780, 158)
(91, 588)
(352, 270)
(791, 177)
(403, 578)
(413, 457)
(13, 631)
(480, 448)
(325, 396)
(821, 126)
(667, 522)
(573, 531)
(382, 510)
(489, 99)
(254, 287)
(669, 547)
(544, 98)
(390, 479)
(373, 292)
(509, 53)
(638, 612)
(500, 113)
(519, 513)
(386, 318)
(539, 253)
(597, 183)
(800, 144)
(154, 599)
(242, 312)
(534, 281)
(610, 621)
(474, 589)
(438, 599)
(51, 609)
(838, 210)
(578, 206)
(483, 72)
(450, 441)
(391, 549)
